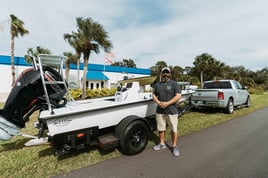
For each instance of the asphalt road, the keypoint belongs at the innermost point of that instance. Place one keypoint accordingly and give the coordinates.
(234, 149)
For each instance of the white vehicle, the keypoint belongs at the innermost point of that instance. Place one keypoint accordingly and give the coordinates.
(123, 121)
(225, 94)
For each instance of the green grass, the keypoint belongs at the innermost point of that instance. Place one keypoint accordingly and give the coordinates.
(18, 160)
(194, 120)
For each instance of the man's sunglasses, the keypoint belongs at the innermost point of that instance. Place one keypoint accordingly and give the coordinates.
(165, 72)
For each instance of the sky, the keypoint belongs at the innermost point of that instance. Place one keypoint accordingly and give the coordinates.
(147, 31)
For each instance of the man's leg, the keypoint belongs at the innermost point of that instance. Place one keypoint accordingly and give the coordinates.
(161, 127)
(173, 123)
(162, 137)
(174, 137)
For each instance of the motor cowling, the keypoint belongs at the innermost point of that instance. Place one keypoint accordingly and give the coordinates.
(27, 95)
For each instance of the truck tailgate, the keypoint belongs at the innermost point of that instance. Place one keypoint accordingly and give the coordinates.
(205, 95)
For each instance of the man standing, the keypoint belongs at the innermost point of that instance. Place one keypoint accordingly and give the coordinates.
(166, 93)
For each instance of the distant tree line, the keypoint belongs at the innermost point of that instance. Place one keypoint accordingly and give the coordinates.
(125, 63)
(206, 67)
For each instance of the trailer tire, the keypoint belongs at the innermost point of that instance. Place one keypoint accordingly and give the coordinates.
(133, 138)
(230, 107)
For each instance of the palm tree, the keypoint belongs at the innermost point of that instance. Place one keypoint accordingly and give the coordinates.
(217, 69)
(73, 40)
(71, 58)
(90, 37)
(16, 29)
(33, 54)
(177, 72)
(202, 63)
(155, 70)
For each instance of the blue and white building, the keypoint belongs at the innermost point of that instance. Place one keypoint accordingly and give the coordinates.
(98, 75)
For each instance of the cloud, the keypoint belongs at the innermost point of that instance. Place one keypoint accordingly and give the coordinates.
(148, 31)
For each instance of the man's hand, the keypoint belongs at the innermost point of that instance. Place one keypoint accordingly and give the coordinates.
(163, 105)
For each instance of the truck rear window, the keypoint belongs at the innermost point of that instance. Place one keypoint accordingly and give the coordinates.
(217, 85)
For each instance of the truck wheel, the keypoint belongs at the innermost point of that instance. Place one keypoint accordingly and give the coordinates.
(248, 102)
(230, 107)
(134, 138)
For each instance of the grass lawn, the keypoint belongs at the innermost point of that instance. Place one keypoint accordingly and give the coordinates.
(18, 160)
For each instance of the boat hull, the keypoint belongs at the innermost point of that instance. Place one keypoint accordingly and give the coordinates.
(7, 129)
(103, 114)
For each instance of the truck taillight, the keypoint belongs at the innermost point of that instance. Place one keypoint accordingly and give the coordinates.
(220, 95)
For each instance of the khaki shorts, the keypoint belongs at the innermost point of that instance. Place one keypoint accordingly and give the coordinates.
(163, 119)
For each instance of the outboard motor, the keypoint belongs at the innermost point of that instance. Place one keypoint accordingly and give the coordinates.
(27, 96)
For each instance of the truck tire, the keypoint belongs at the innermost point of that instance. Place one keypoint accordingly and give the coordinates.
(230, 107)
(248, 102)
(133, 138)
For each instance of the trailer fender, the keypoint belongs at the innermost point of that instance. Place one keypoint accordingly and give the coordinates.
(127, 120)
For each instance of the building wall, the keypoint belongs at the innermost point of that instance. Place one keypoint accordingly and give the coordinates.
(6, 77)
(114, 74)
(114, 77)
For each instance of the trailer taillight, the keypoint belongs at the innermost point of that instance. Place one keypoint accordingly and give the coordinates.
(220, 95)
(79, 135)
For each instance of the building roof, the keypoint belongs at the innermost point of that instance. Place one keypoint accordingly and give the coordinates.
(96, 75)
(20, 61)
(109, 68)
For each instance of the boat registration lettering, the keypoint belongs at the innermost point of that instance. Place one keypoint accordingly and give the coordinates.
(62, 122)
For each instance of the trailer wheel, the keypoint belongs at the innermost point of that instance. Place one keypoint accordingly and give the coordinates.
(230, 107)
(134, 138)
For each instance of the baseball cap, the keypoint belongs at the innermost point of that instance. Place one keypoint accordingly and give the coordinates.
(165, 69)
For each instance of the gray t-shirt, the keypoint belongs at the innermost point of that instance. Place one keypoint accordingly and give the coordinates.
(164, 92)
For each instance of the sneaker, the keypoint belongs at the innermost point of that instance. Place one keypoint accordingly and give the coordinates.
(159, 146)
(175, 151)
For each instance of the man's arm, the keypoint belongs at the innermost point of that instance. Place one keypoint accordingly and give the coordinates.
(167, 103)
(155, 98)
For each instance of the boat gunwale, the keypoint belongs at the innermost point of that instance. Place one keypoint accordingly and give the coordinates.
(111, 106)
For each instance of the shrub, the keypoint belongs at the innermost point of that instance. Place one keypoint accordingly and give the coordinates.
(95, 93)
(76, 94)
(256, 90)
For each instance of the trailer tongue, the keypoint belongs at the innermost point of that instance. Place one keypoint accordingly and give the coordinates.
(123, 121)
